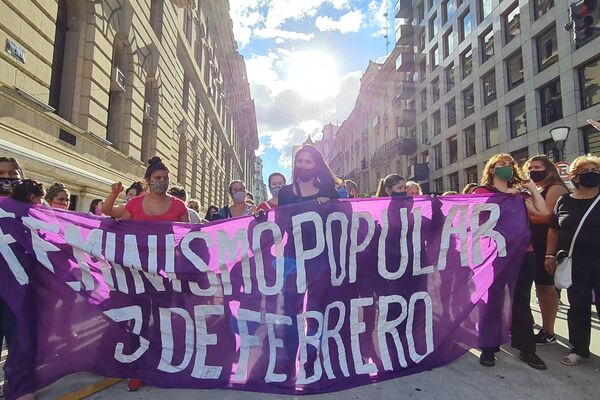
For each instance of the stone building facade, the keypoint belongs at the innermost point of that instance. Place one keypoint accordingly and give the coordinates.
(90, 90)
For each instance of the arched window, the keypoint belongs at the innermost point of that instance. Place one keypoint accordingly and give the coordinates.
(194, 185)
(150, 124)
(119, 101)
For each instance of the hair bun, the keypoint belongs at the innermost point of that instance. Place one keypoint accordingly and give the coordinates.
(154, 160)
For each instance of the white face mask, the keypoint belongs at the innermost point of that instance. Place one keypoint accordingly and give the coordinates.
(239, 197)
(275, 191)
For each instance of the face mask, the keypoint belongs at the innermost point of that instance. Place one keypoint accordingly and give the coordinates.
(505, 173)
(239, 197)
(6, 185)
(98, 210)
(275, 191)
(343, 193)
(537, 176)
(589, 179)
(305, 175)
(159, 187)
(396, 194)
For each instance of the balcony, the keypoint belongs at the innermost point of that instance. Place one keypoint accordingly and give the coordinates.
(364, 164)
(418, 172)
(405, 90)
(405, 35)
(395, 147)
(406, 118)
(405, 62)
(403, 8)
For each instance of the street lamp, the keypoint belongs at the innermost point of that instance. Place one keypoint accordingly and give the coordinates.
(559, 135)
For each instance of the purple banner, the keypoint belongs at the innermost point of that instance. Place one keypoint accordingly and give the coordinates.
(311, 298)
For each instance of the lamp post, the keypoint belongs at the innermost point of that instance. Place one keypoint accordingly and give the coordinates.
(559, 135)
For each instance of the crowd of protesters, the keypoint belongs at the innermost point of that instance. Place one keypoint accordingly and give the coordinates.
(554, 215)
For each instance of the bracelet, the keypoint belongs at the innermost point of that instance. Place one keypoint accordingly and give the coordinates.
(550, 256)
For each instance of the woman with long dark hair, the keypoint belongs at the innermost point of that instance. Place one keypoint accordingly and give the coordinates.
(501, 175)
(312, 179)
(391, 185)
(542, 171)
(96, 207)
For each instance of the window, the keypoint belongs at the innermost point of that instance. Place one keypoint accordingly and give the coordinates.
(472, 175)
(438, 185)
(512, 23)
(518, 118)
(466, 25)
(420, 14)
(591, 140)
(468, 101)
(435, 90)
(118, 124)
(451, 112)
(188, 20)
(448, 10)
(550, 149)
(449, 43)
(466, 60)
(452, 150)
(547, 49)
(514, 66)
(485, 7)
(182, 159)
(453, 178)
(424, 133)
(437, 123)
(149, 123)
(470, 141)
(550, 102)
(542, 7)
(449, 74)
(486, 42)
(421, 42)
(489, 87)
(437, 156)
(156, 17)
(422, 71)
(520, 155)
(434, 57)
(492, 134)
(589, 84)
(423, 98)
(433, 26)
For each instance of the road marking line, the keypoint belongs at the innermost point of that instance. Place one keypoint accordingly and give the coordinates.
(91, 389)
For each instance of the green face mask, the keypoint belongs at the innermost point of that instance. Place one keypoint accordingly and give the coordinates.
(504, 173)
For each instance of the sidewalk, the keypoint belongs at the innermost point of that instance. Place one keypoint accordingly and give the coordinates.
(463, 379)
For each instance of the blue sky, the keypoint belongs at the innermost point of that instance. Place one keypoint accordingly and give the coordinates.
(304, 60)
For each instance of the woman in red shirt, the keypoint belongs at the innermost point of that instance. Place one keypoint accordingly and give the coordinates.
(155, 206)
(501, 175)
(276, 182)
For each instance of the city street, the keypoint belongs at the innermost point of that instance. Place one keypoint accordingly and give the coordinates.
(463, 379)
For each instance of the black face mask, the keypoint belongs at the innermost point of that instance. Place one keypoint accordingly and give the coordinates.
(589, 179)
(396, 194)
(306, 175)
(538, 176)
(6, 185)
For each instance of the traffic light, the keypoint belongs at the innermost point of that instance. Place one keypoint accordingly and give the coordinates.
(581, 20)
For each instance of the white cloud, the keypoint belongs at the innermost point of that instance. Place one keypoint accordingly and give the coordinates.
(378, 11)
(349, 22)
(260, 151)
(282, 34)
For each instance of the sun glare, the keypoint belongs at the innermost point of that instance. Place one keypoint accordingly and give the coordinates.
(313, 74)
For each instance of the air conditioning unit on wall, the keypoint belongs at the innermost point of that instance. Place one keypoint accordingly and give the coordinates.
(117, 80)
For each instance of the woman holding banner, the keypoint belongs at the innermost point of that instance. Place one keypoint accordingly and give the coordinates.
(153, 207)
(312, 179)
(542, 171)
(391, 185)
(500, 175)
(567, 219)
(239, 208)
(58, 196)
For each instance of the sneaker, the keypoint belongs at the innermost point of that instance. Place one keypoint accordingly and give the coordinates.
(533, 360)
(544, 337)
(133, 385)
(573, 359)
(487, 358)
